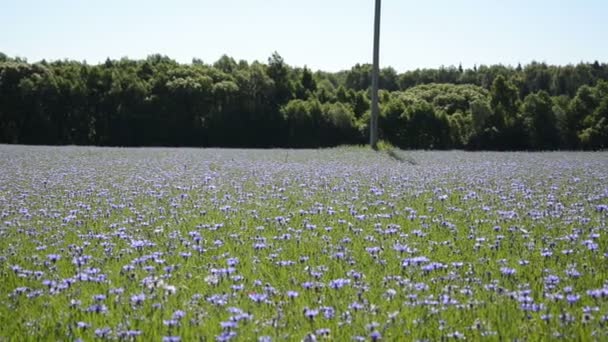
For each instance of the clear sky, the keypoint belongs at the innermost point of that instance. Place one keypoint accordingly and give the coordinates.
(323, 34)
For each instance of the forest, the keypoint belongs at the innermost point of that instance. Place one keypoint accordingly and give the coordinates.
(228, 103)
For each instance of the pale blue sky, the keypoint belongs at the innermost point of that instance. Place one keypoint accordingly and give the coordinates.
(323, 34)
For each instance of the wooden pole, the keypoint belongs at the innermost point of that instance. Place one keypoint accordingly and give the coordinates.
(373, 136)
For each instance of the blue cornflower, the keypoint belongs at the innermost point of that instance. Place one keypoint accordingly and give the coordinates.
(179, 314)
(185, 255)
(323, 332)
(573, 298)
(308, 285)
(228, 324)
(356, 306)
(97, 308)
(226, 336)
(99, 297)
(310, 313)
(53, 257)
(414, 261)
(172, 339)
(339, 283)
(83, 325)
(258, 297)
(506, 271)
(103, 332)
(373, 250)
(328, 312)
(138, 299)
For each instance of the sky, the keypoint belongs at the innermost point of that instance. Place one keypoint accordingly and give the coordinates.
(328, 35)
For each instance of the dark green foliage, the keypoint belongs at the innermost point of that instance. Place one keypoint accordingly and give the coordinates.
(595, 133)
(311, 123)
(540, 121)
(159, 102)
(426, 128)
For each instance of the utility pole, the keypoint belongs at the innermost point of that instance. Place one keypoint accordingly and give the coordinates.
(373, 135)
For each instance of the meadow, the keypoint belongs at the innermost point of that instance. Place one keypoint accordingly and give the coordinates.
(269, 245)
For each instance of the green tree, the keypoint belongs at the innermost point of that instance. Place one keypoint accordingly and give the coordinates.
(157, 101)
(226, 64)
(426, 129)
(595, 133)
(308, 81)
(540, 121)
(278, 71)
(581, 107)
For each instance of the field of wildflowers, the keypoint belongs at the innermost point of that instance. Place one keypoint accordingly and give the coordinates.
(338, 244)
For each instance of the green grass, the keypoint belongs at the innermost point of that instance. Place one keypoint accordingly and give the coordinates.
(168, 196)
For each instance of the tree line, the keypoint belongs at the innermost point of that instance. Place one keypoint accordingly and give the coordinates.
(229, 103)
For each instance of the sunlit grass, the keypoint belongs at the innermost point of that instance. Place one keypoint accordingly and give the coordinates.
(341, 243)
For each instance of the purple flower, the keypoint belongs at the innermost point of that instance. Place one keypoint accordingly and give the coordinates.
(323, 332)
(457, 335)
(598, 293)
(328, 312)
(171, 323)
(258, 297)
(138, 244)
(506, 271)
(228, 324)
(226, 336)
(433, 266)
(373, 250)
(310, 313)
(414, 261)
(402, 248)
(339, 255)
(185, 255)
(138, 299)
(354, 274)
(49, 283)
(103, 332)
(98, 308)
(339, 283)
(356, 306)
(117, 291)
(53, 257)
(546, 253)
(83, 325)
(99, 297)
(172, 339)
(573, 273)
(218, 299)
(179, 314)
(308, 285)
(259, 245)
(573, 298)
(129, 334)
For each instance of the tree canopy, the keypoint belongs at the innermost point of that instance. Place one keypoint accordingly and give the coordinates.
(159, 102)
